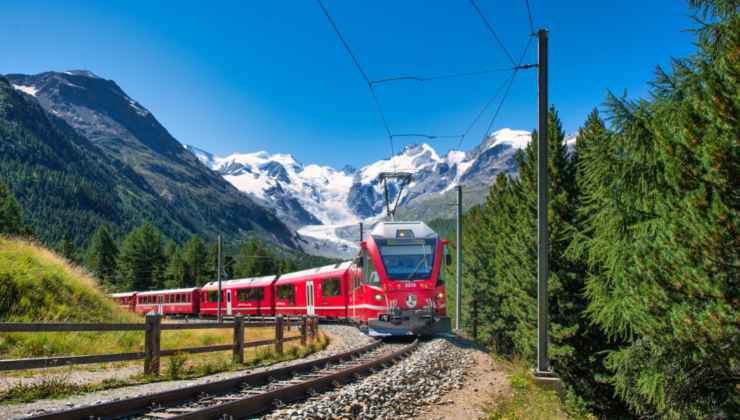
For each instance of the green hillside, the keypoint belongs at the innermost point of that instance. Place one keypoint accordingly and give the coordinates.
(38, 285)
(69, 186)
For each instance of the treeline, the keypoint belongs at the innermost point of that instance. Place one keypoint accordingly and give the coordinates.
(145, 259)
(644, 259)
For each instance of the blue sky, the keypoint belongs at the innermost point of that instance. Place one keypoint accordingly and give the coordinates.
(242, 76)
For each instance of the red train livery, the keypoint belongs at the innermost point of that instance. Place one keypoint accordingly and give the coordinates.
(394, 286)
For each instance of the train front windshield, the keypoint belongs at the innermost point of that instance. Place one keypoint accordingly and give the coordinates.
(407, 259)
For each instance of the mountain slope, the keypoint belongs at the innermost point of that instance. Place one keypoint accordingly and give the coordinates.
(106, 159)
(183, 192)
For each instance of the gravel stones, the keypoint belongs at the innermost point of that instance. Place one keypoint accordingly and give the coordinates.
(422, 379)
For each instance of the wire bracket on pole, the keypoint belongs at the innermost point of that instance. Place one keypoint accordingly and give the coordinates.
(526, 67)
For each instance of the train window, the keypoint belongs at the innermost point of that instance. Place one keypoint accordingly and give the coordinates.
(407, 260)
(330, 287)
(286, 291)
(213, 296)
(251, 294)
(187, 297)
(371, 273)
(177, 298)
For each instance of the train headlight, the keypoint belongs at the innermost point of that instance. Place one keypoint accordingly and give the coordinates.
(440, 296)
(378, 297)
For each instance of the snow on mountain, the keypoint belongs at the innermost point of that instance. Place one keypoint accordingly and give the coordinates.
(324, 205)
(30, 90)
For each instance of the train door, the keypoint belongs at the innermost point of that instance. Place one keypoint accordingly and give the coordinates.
(310, 310)
(228, 301)
(160, 305)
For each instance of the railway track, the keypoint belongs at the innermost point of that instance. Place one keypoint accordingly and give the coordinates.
(246, 395)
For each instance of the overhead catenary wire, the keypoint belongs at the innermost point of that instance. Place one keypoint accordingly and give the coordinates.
(529, 16)
(440, 77)
(461, 137)
(480, 114)
(493, 32)
(362, 72)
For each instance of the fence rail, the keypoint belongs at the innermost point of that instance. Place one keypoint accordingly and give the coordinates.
(153, 328)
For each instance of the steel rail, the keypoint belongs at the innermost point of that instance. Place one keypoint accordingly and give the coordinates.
(131, 406)
(255, 404)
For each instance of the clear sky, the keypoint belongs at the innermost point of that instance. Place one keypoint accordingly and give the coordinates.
(242, 76)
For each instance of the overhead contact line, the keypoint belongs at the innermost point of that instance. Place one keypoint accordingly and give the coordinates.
(493, 32)
(362, 72)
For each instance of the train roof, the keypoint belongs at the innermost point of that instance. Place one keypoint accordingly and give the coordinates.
(403, 230)
(161, 292)
(122, 294)
(249, 281)
(314, 271)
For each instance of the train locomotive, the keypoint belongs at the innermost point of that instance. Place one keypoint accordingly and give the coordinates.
(394, 286)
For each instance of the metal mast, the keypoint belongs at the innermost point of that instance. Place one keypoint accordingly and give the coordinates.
(458, 261)
(543, 246)
(218, 263)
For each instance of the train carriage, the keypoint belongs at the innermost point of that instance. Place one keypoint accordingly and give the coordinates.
(321, 291)
(125, 300)
(248, 296)
(184, 302)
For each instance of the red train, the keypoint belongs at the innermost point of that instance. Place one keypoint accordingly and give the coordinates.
(395, 286)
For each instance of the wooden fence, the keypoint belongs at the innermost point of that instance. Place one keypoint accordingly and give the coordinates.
(153, 328)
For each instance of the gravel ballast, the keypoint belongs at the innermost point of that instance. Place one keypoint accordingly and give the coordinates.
(400, 391)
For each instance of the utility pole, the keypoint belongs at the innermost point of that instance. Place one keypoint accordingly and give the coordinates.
(543, 269)
(218, 276)
(458, 261)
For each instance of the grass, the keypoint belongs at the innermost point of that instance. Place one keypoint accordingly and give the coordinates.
(176, 367)
(37, 285)
(528, 401)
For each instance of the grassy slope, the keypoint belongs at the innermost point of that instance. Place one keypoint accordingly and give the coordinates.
(38, 285)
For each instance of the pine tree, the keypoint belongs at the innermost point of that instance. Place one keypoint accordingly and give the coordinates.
(176, 272)
(195, 257)
(11, 215)
(254, 260)
(141, 261)
(101, 255)
(67, 248)
(664, 233)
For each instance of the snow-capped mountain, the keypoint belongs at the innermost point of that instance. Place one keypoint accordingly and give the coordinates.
(324, 205)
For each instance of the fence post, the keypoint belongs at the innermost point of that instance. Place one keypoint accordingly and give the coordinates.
(314, 327)
(303, 330)
(279, 334)
(152, 340)
(239, 339)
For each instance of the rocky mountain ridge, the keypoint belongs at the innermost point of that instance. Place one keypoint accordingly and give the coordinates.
(324, 204)
(119, 129)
